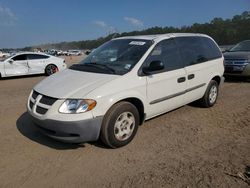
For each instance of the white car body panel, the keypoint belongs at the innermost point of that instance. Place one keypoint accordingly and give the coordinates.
(9, 68)
(204, 72)
(162, 85)
(15, 68)
(36, 65)
(78, 84)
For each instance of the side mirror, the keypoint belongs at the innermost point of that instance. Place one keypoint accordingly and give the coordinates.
(11, 61)
(153, 66)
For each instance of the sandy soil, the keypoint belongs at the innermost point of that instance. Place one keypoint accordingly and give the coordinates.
(188, 147)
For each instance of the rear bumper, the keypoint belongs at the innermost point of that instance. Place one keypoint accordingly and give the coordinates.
(70, 131)
(222, 80)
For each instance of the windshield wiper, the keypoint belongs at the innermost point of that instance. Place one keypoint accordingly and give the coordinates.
(98, 65)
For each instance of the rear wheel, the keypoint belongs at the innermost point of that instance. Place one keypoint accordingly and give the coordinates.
(120, 125)
(51, 69)
(211, 95)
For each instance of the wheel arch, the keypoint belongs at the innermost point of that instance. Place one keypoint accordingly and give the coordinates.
(48, 65)
(137, 103)
(217, 79)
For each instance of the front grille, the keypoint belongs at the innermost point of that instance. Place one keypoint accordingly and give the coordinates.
(31, 105)
(48, 100)
(234, 69)
(34, 94)
(41, 103)
(236, 62)
(41, 110)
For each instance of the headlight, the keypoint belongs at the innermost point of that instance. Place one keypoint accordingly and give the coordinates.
(75, 106)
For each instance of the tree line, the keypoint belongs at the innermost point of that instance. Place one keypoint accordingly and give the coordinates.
(224, 31)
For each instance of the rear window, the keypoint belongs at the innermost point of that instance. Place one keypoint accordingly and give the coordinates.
(196, 50)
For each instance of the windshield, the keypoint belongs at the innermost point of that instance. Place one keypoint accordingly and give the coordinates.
(114, 57)
(242, 46)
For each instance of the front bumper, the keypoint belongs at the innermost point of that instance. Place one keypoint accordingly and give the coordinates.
(245, 72)
(71, 128)
(70, 131)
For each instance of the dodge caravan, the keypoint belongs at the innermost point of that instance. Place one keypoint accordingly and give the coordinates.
(123, 83)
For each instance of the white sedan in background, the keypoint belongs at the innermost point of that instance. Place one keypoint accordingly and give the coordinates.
(2, 54)
(74, 52)
(27, 63)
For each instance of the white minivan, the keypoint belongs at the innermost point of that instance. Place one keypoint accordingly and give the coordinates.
(123, 83)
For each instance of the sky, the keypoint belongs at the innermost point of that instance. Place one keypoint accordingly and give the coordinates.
(32, 22)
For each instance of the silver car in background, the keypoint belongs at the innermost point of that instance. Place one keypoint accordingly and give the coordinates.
(237, 60)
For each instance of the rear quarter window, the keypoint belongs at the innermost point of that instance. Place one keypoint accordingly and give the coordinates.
(195, 50)
(212, 50)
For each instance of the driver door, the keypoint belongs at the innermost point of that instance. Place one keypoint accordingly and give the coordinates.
(165, 89)
(17, 65)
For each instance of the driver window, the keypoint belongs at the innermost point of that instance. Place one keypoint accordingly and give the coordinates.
(167, 52)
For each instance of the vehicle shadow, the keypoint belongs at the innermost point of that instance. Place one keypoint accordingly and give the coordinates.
(230, 79)
(26, 127)
(23, 76)
(196, 104)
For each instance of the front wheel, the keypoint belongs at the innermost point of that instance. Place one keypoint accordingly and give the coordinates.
(120, 125)
(51, 69)
(211, 94)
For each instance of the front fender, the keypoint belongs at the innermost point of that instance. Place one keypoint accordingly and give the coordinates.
(2, 70)
(105, 103)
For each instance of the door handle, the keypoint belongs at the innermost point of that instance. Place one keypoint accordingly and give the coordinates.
(190, 76)
(181, 79)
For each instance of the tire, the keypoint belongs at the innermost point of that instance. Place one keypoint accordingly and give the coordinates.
(120, 125)
(211, 95)
(51, 69)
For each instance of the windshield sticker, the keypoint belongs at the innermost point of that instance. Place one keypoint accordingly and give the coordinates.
(127, 66)
(139, 43)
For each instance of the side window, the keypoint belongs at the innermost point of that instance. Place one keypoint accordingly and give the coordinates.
(212, 51)
(37, 56)
(191, 50)
(166, 51)
(22, 57)
(196, 50)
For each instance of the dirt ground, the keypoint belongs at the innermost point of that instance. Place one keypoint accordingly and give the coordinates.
(188, 147)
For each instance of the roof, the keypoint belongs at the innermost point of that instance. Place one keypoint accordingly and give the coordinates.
(160, 36)
(38, 53)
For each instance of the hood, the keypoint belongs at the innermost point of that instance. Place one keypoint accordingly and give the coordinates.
(72, 84)
(237, 55)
